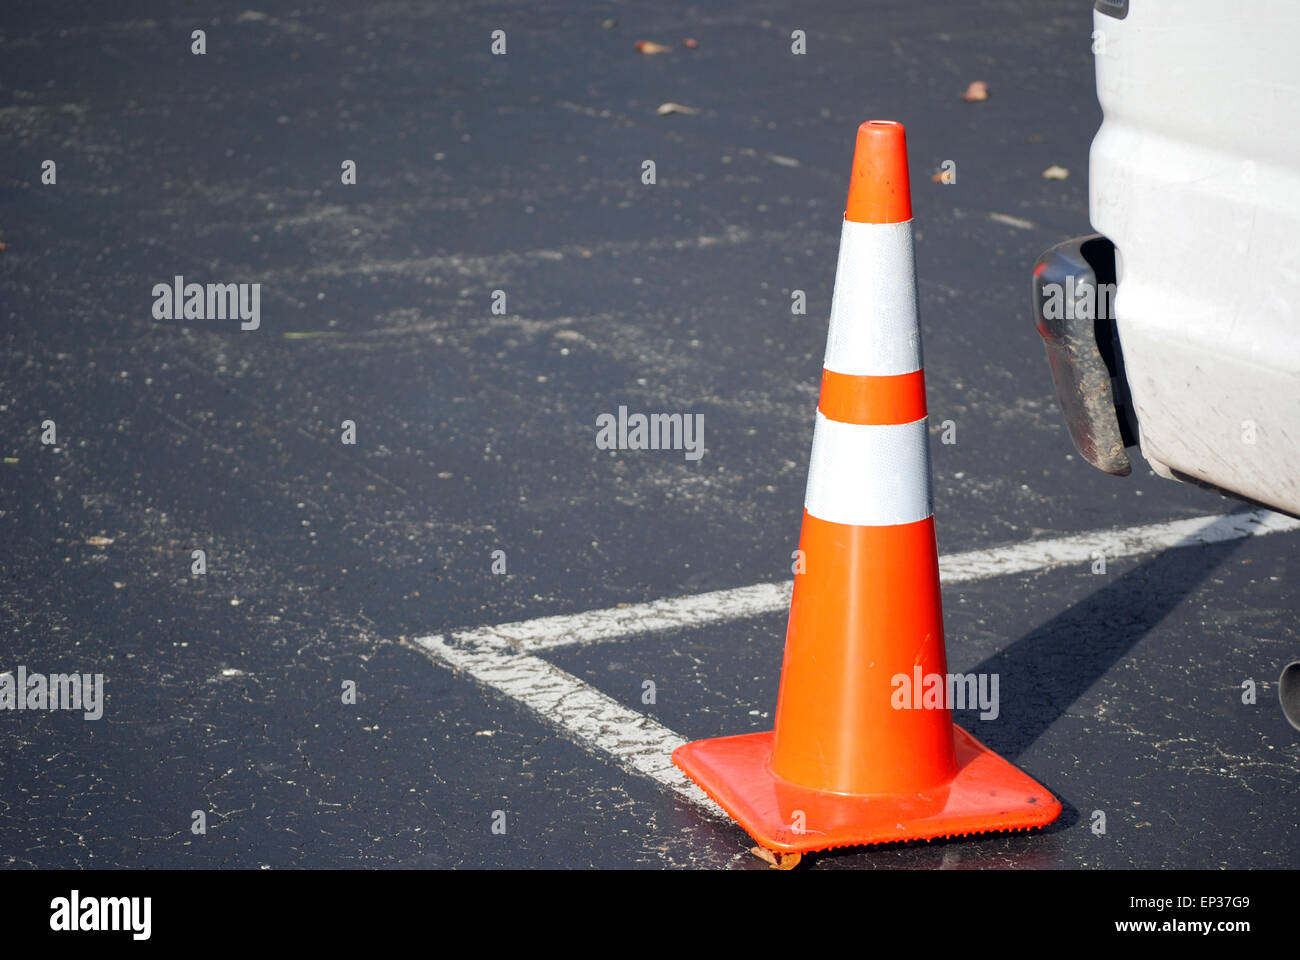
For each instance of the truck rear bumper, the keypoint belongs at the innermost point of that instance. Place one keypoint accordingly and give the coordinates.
(1073, 290)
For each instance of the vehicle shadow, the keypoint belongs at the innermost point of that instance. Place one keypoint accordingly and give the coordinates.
(1047, 670)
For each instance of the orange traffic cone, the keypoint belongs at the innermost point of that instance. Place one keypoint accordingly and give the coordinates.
(865, 750)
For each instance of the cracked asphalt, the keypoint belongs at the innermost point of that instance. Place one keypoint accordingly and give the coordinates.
(475, 431)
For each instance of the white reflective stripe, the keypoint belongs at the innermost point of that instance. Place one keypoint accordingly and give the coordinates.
(874, 329)
(869, 475)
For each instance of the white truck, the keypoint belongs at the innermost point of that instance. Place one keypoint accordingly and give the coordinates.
(1175, 327)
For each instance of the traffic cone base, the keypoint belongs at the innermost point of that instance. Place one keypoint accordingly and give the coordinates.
(987, 794)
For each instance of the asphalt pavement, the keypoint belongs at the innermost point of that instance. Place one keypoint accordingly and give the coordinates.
(515, 181)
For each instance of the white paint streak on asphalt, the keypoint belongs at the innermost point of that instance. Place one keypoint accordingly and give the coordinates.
(1128, 542)
(503, 657)
(670, 613)
(639, 743)
(1011, 221)
(720, 606)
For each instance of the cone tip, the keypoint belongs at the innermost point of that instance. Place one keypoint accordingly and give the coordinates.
(879, 189)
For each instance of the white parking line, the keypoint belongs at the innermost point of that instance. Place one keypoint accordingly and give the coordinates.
(637, 742)
(504, 657)
(545, 633)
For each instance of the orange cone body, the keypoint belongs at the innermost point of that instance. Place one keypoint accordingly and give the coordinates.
(859, 755)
